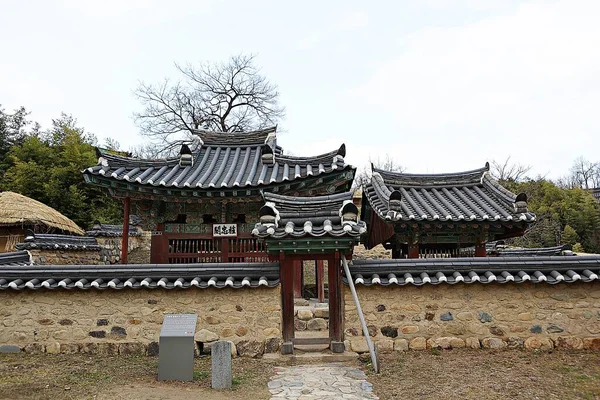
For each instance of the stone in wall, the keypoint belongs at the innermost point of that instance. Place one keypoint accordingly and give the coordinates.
(65, 257)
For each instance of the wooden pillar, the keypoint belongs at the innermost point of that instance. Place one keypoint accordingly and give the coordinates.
(320, 279)
(413, 250)
(480, 250)
(125, 241)
(335, 303)
(298, 278)
(286, 274)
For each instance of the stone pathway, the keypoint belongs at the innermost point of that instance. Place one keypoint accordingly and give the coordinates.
(329, 381)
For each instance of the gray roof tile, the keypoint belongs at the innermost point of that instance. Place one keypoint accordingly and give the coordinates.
(464, 196)
(62, 242)
(548, 269)
(15, 259)
(222, 160)
(288, 216)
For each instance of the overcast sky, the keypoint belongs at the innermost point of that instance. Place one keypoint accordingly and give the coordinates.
(440, 85)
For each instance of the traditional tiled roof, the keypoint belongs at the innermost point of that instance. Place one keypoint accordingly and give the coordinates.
(15, 259)
(464, 196)
(57, 242)
(108, 230)
(287, 216)
(221, 161)
(418, 272)
(133, 276)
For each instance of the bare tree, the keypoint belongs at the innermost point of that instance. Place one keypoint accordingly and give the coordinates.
(509, 172)
(224, 97)
(585, 174)
(388, 163)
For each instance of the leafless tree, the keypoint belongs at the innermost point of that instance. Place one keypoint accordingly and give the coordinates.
(585, 174)
(508, 171)
(232, 96)
(388, 163)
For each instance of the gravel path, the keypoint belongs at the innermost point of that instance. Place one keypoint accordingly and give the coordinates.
(329, 381)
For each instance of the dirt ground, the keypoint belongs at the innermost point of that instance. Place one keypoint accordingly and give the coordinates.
(413, 375)
(468, 374)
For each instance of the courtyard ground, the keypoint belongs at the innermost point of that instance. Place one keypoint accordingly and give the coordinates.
(431, 374)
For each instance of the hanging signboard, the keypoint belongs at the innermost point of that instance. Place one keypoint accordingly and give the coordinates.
(225, 230)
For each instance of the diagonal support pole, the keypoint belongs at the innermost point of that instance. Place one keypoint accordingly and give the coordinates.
(361, 316)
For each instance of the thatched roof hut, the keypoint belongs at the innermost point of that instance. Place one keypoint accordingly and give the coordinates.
(18, 212)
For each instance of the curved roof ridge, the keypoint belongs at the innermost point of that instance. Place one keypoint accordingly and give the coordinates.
(258, 137)
(116, 160)
(283, 199)
(321, 158)
(454, 178)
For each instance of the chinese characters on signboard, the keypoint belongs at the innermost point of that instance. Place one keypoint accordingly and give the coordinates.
(224, 230)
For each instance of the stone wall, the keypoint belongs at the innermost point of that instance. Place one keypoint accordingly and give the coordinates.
(138, 249)
(376, 253)
(534, 316)
(65, 257)
(129, 321)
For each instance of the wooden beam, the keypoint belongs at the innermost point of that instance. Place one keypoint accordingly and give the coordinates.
(125, 239)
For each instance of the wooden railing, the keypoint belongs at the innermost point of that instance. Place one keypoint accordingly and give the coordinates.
(183, 250)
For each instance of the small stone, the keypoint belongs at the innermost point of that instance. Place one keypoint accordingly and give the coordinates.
(118, 331)
(494, 330)
(536, 329)
(135, 321)
(132, 349)
(380, 308)
(152, 301)
(385, 345)
(240, 331)
(359, 345)
(389, 331)
(300, 325)
(239, 308)
(429, 316)
(484, 317)
(446, 316)
(571, 343)
(591, 343)
(400, 345)
(410, 329)
(418, 343)
(321, 312)
(553, 328)
(526, 316)
(251, 348)
(53, 348)
(465, 316)
(372, 330)
(317, 324)
(305, 314)
(271, 332)
(539, 343)
(514, 342)
(205, 336)
(352, 332)
(65, 322)
(416, 318)
(98, 334)
(69, 348)
(493, 343)
(472, 343)
(45, 321)
(102, 322)
(152, 349)
(272, 345)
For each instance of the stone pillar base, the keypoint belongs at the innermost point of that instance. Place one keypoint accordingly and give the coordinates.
(337, 347)
(287, 348)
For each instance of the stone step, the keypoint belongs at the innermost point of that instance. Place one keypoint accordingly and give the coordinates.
(301, 357)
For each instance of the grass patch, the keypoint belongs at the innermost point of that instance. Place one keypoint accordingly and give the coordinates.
(198, 375)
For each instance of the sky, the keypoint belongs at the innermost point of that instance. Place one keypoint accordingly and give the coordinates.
(438, 85)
